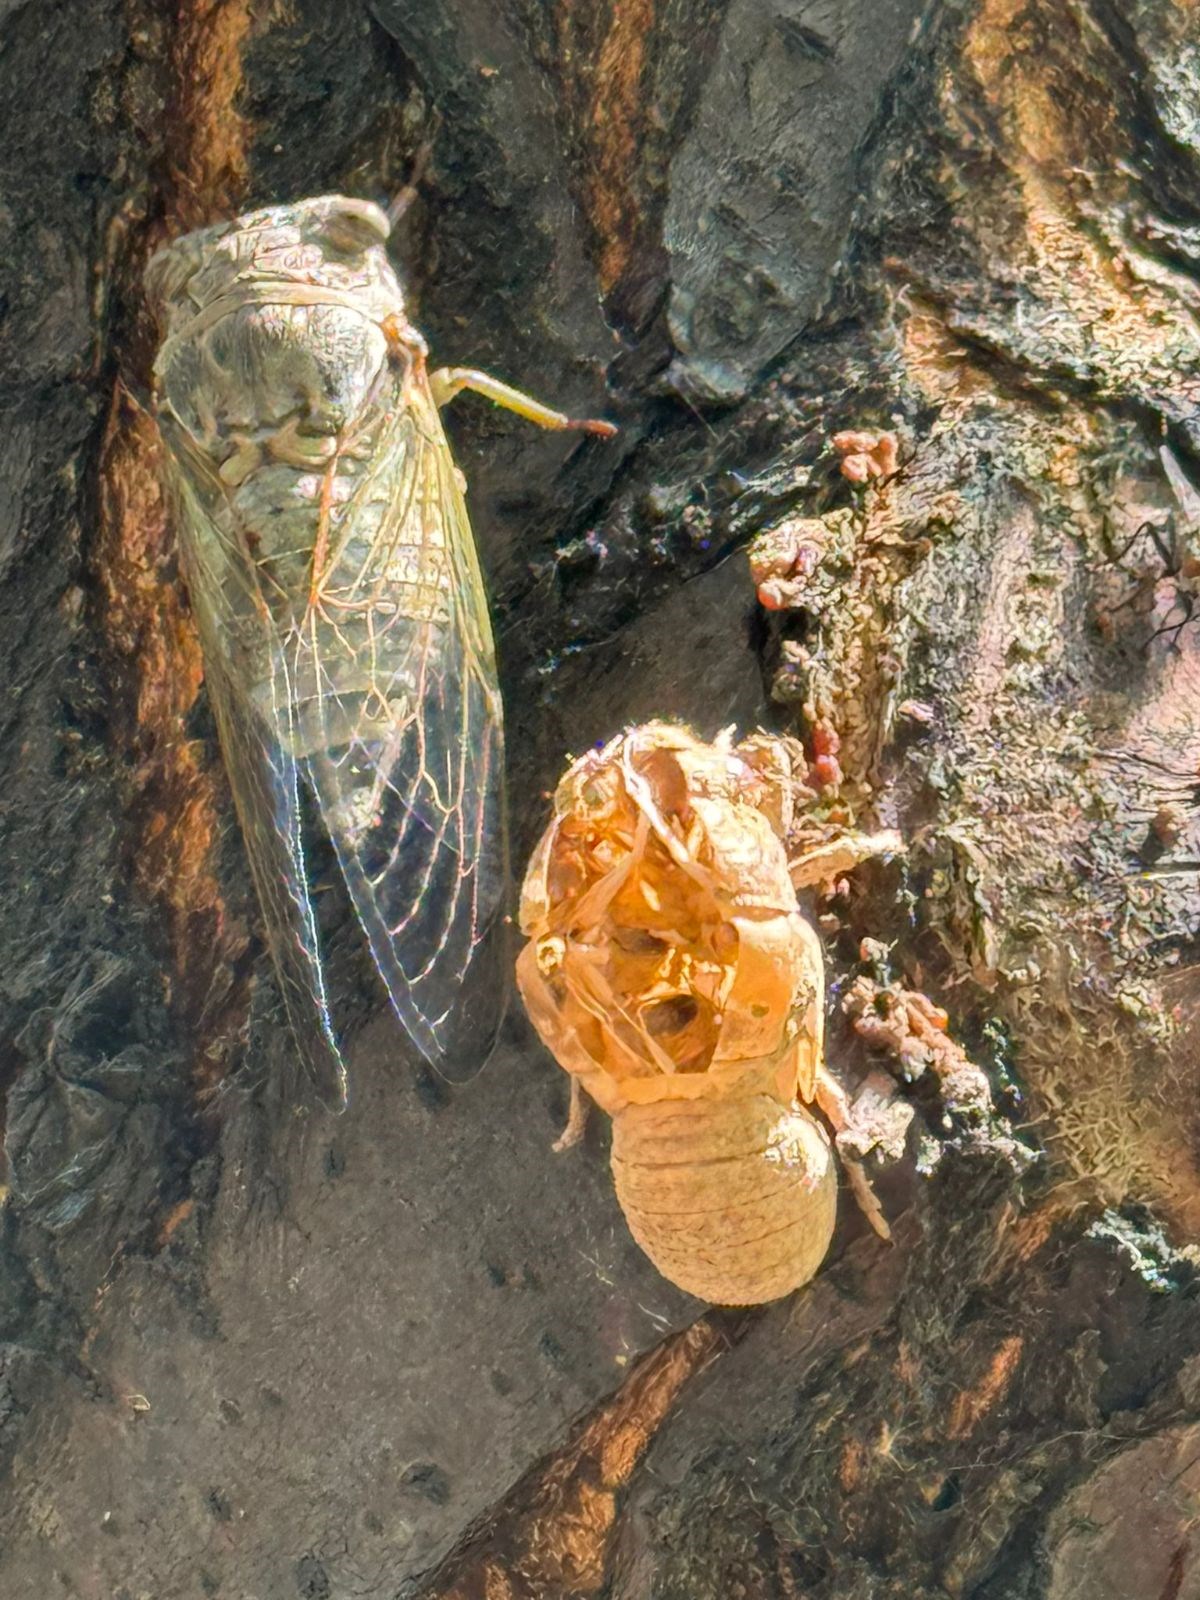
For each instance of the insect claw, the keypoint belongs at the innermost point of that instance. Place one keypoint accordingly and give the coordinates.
(601, 429)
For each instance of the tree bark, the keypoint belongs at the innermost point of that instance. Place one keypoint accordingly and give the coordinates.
(249, 1350)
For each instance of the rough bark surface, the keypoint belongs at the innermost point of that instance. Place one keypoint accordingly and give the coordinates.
(249, 1351)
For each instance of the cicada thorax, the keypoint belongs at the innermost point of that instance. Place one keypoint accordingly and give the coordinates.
(734, 1199)
(296, 505)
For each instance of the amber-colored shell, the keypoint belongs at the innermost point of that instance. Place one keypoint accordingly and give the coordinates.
(733, 1200)
(672, 975)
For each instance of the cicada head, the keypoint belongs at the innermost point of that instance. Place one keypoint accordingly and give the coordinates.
(273, 330)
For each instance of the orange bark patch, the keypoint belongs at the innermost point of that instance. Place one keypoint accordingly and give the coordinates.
(602, 53)
(173, 1219)
(973, 1405)
(557, 1527)
(212, 135)
(1023, 58)
(852, 1465)
(157, 656)
(934, 358)
(178, 797)
(1024, 1237)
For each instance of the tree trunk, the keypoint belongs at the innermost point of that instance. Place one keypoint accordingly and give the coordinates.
(250, 1350)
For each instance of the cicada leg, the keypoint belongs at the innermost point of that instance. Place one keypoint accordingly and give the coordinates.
(446, 382)
(577, 1118)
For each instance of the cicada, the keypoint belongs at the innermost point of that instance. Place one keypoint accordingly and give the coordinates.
(333, 576)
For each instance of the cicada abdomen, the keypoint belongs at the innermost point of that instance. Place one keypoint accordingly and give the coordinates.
(733, 1198)
(344, 625)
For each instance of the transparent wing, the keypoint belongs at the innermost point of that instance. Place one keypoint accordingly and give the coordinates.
(262, 769)
(266, 786)
(401, 727)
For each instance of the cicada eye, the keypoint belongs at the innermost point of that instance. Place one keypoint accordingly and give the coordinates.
(353, 226)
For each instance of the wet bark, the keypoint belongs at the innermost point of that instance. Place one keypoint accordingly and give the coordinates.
(251, 1351)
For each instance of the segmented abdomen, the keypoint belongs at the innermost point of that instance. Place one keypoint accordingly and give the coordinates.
(732, 1199)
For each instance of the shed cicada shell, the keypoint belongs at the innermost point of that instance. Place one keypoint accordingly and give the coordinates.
(334, 580)
(672, 973)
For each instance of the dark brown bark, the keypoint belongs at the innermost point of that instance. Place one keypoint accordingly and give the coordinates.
(251, 1351)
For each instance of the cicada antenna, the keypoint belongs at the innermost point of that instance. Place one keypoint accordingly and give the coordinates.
(405, 196)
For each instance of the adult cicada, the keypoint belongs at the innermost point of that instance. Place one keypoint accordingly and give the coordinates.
(334, 580)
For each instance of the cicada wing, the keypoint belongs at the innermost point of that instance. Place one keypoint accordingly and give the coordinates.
(265, 780)
(427, 878)
(409, 774)
(257, 742)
